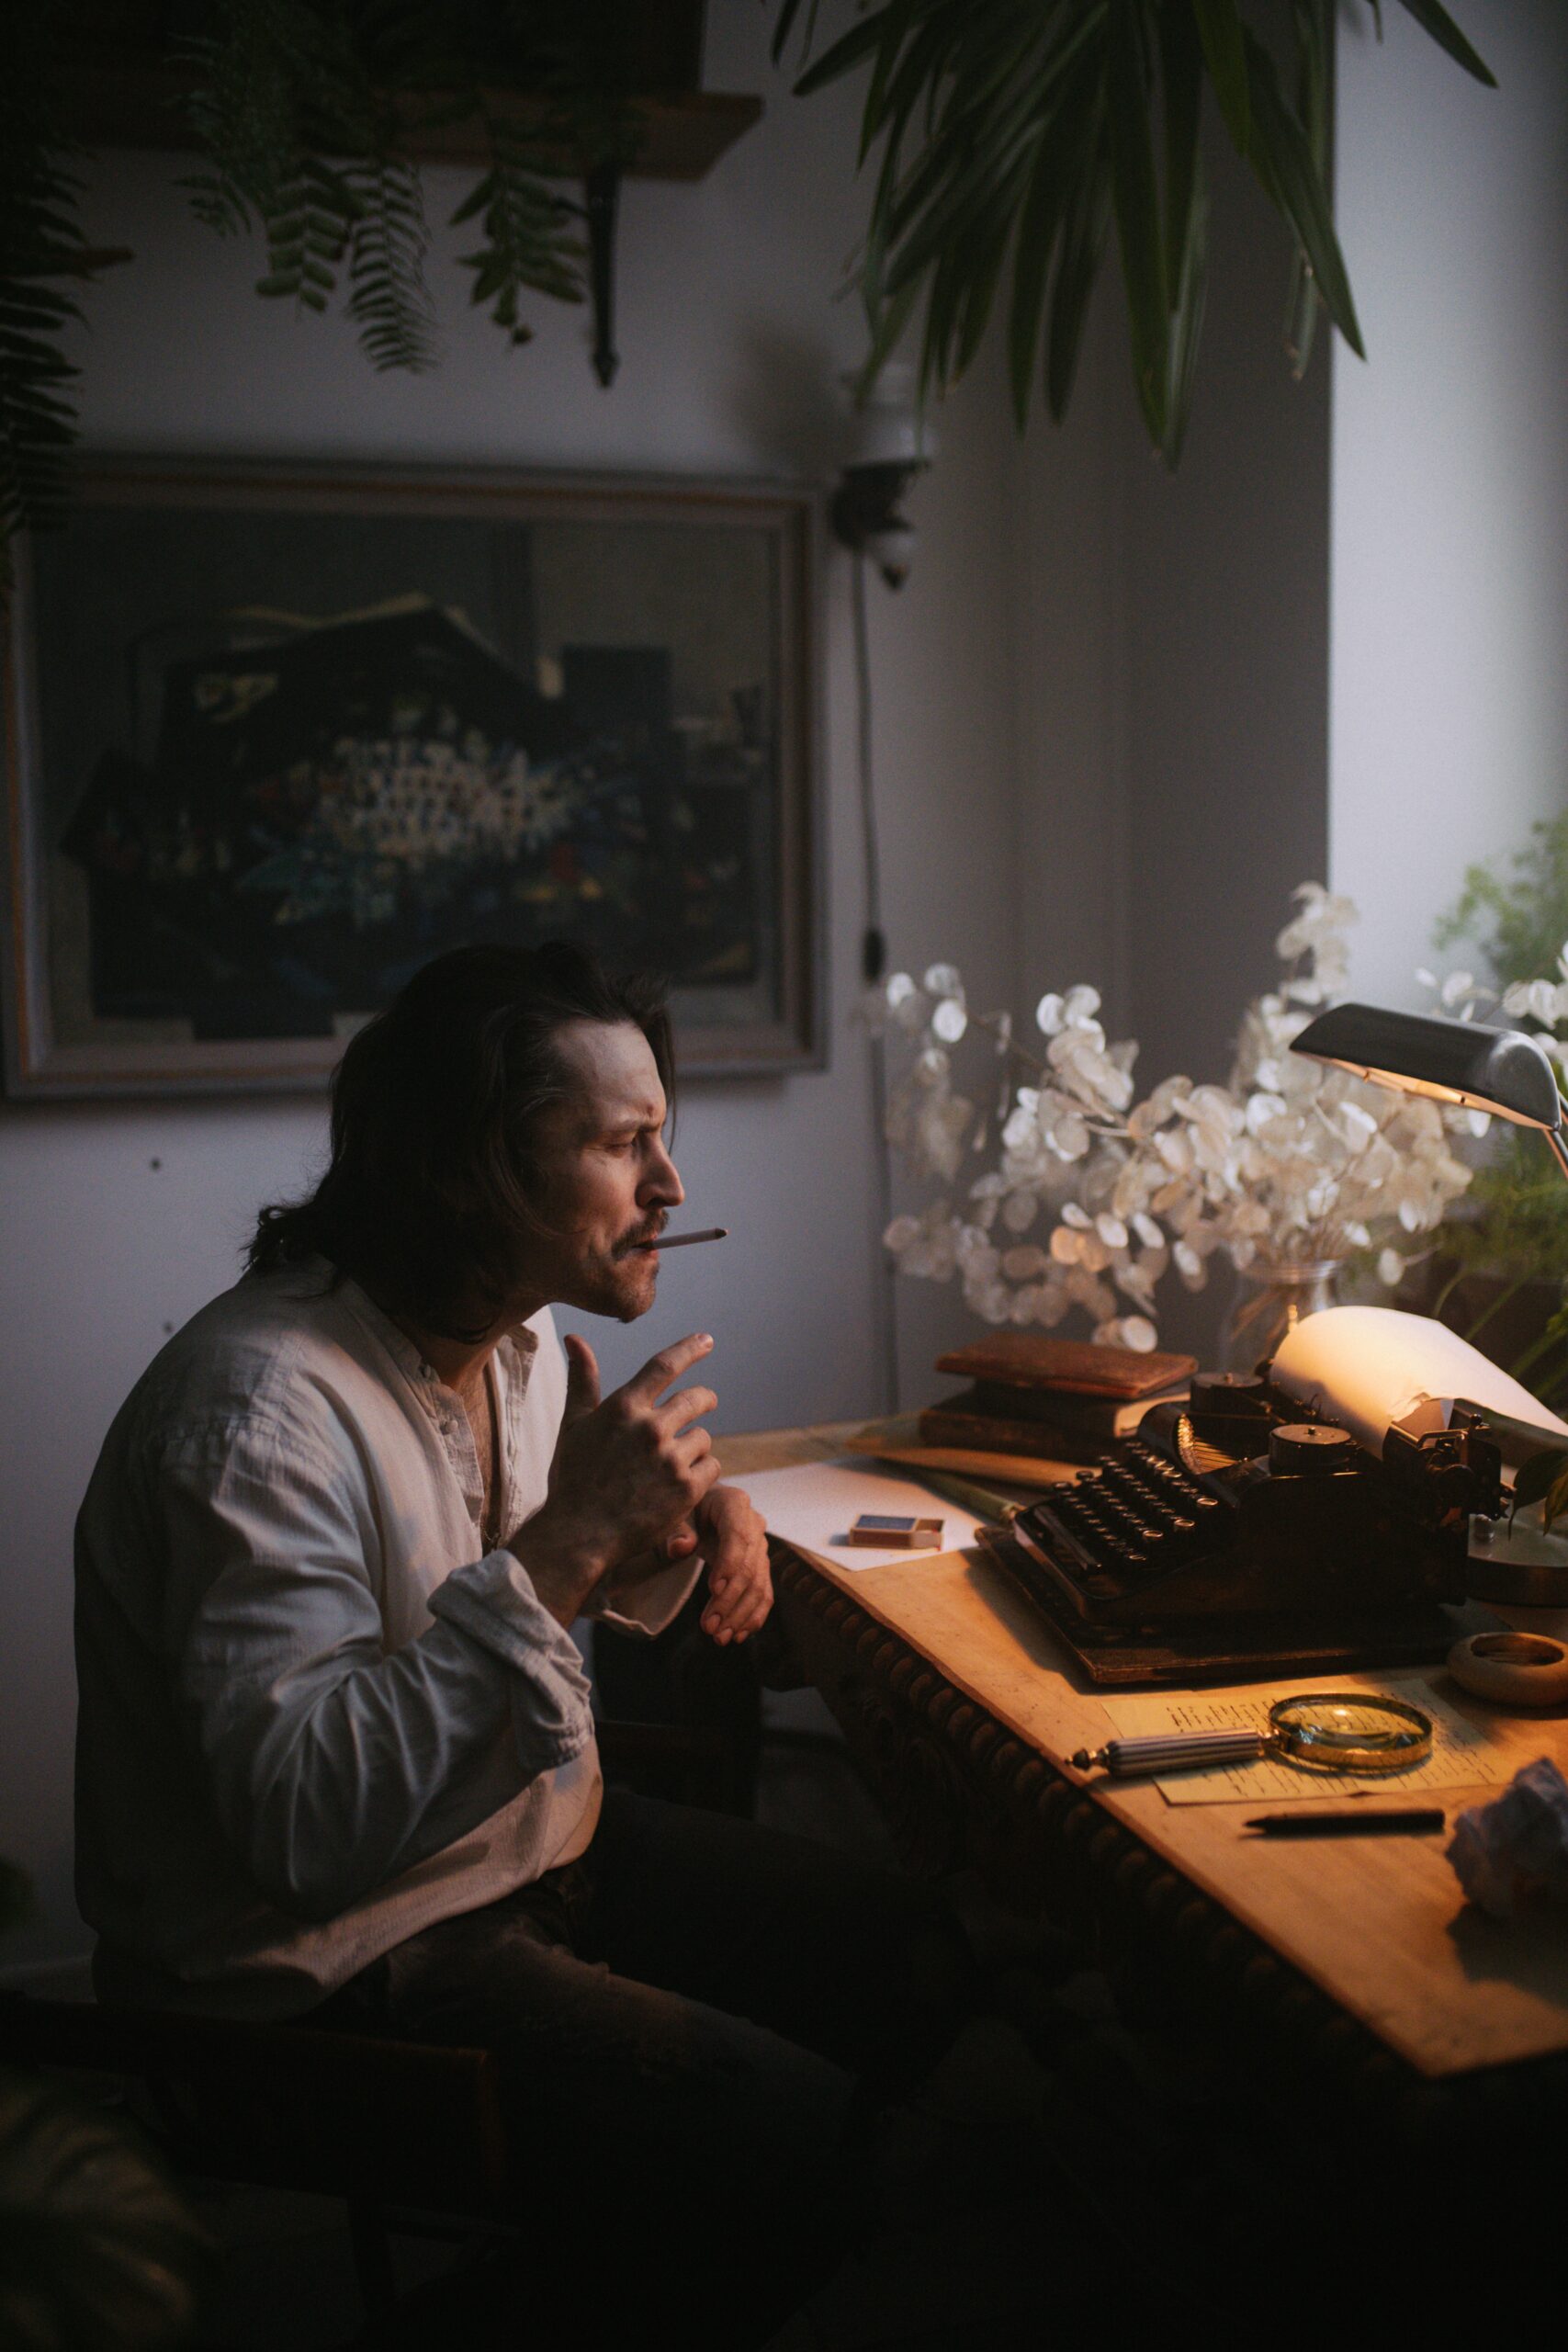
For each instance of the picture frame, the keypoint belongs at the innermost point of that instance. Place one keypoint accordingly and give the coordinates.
(274, 735)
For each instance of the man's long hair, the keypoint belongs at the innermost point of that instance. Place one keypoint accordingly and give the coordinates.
(432, 1184)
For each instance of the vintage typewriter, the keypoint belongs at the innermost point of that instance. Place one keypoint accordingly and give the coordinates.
(1244, 1503)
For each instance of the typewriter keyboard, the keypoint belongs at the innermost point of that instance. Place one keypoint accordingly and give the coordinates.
(1116, 1526)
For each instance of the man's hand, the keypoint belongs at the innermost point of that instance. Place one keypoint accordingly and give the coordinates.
(733, 1540)
(627, 1473)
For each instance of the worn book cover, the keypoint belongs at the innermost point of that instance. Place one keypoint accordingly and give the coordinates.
(983, 1433)
(1082, 1367)
(1047, 1410)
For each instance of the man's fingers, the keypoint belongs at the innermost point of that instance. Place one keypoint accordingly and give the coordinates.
(582, 1377)
(702, 1473)
(687, 1405)
(744, 1613)
(668, 1364)
(737, 1564)
(741, 1596)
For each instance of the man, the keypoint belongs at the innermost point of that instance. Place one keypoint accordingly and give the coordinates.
(336, 1757)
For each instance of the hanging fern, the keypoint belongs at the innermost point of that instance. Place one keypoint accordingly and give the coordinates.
(41, 244)
(389, 301)
(528, 243)
(575, 57)
(281, 85)
(305, 112)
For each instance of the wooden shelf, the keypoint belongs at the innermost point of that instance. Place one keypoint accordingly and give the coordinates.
(685, 133)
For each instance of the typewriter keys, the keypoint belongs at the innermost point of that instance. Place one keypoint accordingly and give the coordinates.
(1321, 1731)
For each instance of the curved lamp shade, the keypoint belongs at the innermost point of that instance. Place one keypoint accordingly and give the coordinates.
(1500, 1070)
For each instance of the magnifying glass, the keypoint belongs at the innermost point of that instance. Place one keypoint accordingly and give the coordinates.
(1321, 1731)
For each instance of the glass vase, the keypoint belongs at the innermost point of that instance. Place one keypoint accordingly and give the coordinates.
(1269, 1301)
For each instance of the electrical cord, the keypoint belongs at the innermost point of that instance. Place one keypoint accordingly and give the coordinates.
(874, 960)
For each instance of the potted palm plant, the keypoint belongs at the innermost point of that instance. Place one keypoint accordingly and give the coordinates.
(1023, 131)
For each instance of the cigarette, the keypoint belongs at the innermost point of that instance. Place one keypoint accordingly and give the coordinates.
(683, 1240)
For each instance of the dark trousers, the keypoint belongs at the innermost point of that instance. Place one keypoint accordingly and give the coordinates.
(695, 2024)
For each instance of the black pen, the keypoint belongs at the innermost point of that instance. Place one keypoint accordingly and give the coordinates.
(1348, 1824)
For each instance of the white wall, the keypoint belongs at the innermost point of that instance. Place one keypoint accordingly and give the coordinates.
(1226, 637)
(1070, 633)
(1173, 757)
(1448, 682)
(119, 1220)
(1172, 780)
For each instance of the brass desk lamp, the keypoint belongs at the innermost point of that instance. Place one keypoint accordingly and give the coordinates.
(1503, 1071)
(1499, 1070)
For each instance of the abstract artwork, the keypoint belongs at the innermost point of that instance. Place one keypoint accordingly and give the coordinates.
(278, 738)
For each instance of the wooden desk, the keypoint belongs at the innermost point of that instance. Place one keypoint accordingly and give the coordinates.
(1353, 1959)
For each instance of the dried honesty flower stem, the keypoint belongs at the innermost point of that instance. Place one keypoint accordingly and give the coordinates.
(1288, 1164)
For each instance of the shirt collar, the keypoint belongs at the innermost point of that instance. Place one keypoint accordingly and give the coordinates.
(520, 1341)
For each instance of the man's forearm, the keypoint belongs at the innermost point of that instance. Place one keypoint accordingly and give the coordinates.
(329, 1792)
(334, 1765)
(562, 1569)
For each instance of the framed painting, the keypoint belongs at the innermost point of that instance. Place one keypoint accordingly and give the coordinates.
(275, 737)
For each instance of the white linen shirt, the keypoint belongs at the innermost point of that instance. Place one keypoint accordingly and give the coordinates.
(316, 1716)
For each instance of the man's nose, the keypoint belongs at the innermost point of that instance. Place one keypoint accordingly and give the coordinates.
(663, 1182)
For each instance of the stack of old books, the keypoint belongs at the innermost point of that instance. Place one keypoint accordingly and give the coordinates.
(1067, 1399)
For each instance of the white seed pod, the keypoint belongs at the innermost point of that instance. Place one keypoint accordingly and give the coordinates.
(1019, 1211)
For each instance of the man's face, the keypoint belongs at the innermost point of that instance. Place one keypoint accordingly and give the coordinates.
(607, 1183)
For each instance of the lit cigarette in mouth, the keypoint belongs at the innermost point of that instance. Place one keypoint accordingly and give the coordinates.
(684, 1240)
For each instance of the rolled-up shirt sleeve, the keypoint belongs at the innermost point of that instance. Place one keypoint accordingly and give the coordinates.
(334, 1763)
(646, 1607)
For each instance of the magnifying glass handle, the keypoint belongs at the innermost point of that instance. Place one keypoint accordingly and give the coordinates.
(1175, 1752)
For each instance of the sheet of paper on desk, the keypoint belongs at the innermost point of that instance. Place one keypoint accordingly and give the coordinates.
(1463, 1756)
(814, 1504)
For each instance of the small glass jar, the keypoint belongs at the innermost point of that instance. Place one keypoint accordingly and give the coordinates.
(1269, 1301)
